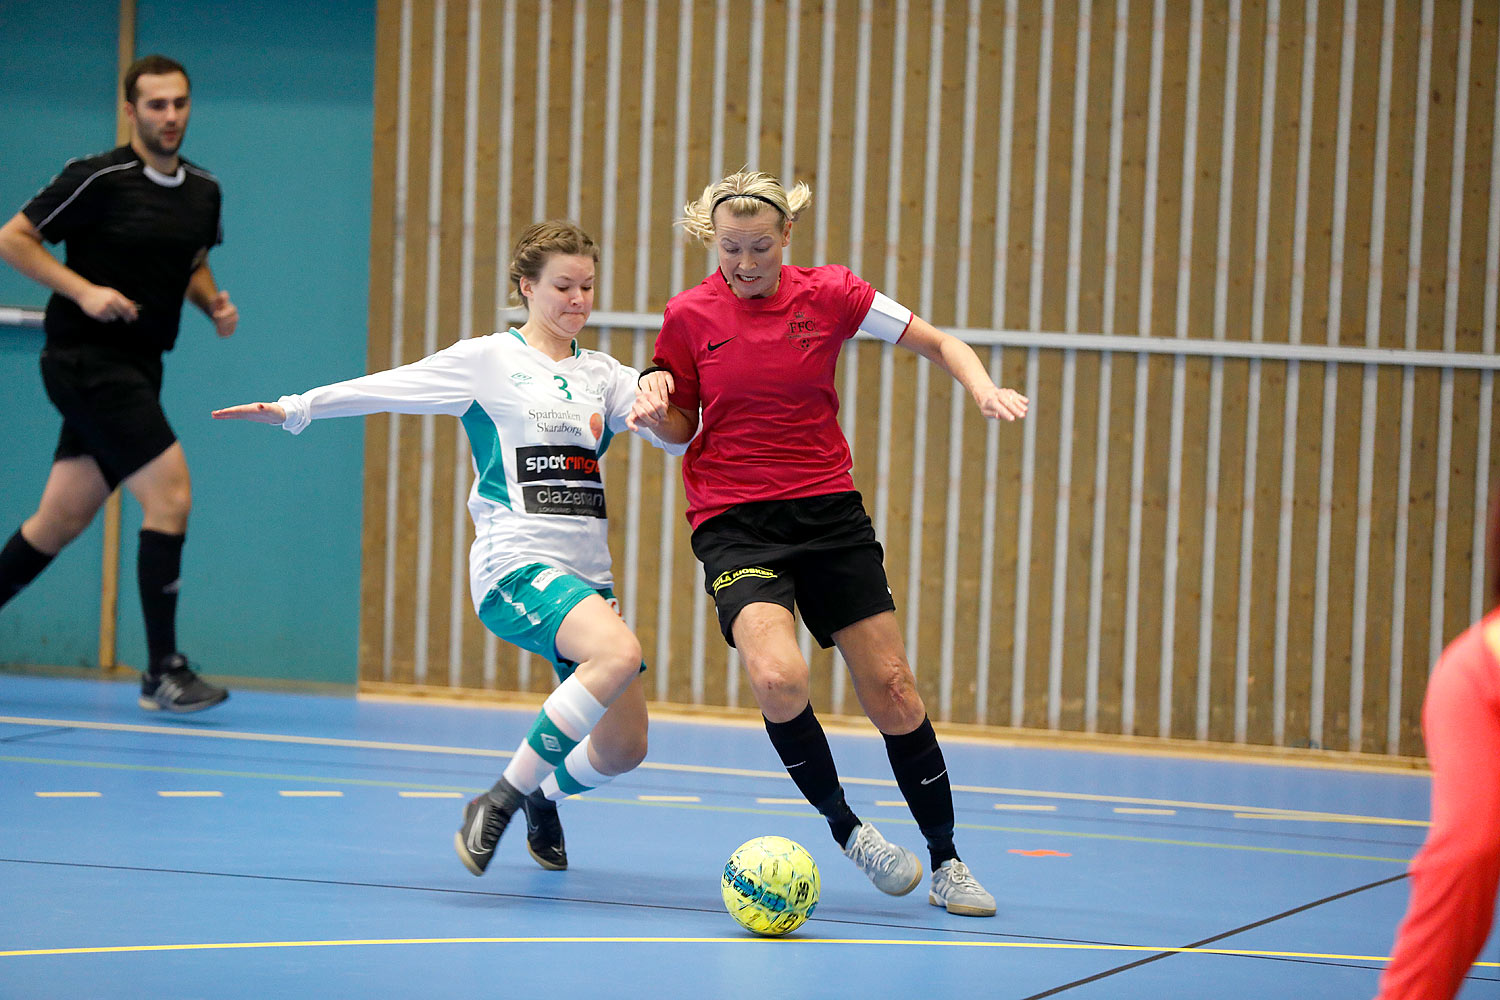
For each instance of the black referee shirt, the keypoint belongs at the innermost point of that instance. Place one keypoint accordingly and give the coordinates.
(133, 229)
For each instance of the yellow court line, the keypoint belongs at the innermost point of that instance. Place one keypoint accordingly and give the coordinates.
(1294, 817)
(1146, 812)
(191, 795)
(430, 795)
(694, 769)
(311, 793)
(777, 942)
(67, 795)
(1024, 807)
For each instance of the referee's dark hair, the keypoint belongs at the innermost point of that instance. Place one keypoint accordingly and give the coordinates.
(152, 65)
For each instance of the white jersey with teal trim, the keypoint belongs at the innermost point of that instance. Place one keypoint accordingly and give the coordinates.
(537, 429)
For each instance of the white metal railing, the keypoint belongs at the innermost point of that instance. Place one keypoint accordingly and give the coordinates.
(21, 316)
(968, 177)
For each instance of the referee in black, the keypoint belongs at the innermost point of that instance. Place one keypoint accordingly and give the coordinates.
(138, 222)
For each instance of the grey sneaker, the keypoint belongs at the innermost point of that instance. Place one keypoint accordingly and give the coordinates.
(892, 868)
(174, 687)
(954, 888)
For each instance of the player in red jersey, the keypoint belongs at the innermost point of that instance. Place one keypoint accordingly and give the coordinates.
(1455, 875)
(776, 520)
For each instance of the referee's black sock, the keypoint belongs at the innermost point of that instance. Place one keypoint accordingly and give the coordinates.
(803, 748)
(20, 563)
(158, 569)
(922, 774)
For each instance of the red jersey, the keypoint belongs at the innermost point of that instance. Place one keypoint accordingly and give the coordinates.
(762, 370)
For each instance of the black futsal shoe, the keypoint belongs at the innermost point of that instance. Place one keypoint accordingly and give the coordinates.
(544, 833)
(485, 819)
(172, 686)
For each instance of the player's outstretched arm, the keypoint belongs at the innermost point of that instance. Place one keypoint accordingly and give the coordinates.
(959, 360)
(260, 413)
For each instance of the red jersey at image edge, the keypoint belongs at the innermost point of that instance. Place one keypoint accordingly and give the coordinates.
(762, 370)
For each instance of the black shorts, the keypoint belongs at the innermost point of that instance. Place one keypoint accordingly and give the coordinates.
(110, 405)
(818, 553)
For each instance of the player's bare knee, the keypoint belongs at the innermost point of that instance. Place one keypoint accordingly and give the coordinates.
(619, 751)
(625, 658)
(631, 752)
(900, 705)
(779, 687)
(51, 529)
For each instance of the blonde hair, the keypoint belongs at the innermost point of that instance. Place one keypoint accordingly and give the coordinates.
(746, 193)
(541, 240)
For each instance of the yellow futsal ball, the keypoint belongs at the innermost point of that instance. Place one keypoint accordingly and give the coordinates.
(770, 885)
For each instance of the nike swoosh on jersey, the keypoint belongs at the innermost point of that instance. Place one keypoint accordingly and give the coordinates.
(714, 347)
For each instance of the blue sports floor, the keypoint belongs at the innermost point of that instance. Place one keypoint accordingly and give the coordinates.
(291, 845)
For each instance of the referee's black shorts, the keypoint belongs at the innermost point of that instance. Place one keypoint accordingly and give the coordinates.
(111, 407)
(818, 553)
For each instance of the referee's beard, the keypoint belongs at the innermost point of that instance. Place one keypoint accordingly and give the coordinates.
(156, 146)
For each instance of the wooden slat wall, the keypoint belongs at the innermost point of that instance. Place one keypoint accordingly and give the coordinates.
(493, 113)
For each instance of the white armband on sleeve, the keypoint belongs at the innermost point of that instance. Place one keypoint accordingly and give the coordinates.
(297, 416)
(887, 319)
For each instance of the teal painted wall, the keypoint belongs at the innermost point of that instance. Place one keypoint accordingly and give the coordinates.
(282, 114)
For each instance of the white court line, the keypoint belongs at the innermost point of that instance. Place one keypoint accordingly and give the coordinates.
(668, 798)
(1033, 793)
(1146, 812)
(780, 802)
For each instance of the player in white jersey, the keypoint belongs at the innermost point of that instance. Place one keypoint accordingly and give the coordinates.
(539, 413)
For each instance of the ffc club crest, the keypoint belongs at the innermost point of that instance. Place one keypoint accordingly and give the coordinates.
(802, 332)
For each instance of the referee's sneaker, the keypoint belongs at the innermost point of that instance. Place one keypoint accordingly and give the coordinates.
(171, 685)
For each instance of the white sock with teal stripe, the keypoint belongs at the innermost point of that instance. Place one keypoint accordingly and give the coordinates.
(563, 723)
(574, 775)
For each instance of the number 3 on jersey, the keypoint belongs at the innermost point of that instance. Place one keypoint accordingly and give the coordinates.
(562, 386)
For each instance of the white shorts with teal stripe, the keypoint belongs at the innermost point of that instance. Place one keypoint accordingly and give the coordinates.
(527, 607)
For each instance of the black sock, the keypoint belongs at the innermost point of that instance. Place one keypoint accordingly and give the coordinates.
(20, 563)
(803, 748)
(158, 569)
(922, 774)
